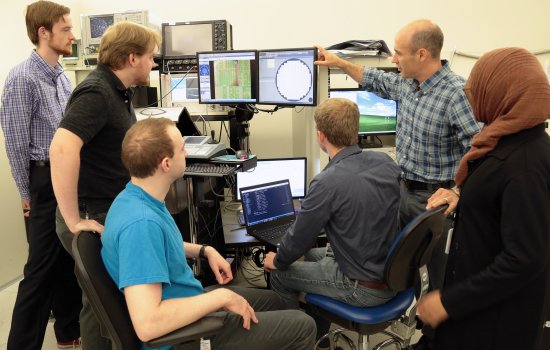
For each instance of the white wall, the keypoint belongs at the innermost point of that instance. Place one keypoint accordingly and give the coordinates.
(470, 26)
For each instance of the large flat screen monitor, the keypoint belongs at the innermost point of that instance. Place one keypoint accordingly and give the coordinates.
(268, 170)
(287, 77)
(377, 115)
(227, 77)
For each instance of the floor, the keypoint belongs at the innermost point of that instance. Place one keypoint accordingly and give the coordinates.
(249, 275)
(7, 300)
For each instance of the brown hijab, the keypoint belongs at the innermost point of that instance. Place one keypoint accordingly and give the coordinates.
(509, 92)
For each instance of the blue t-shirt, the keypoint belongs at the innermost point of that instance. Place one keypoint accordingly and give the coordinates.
(142, 245)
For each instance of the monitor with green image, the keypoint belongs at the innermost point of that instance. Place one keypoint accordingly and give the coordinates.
(377, 115)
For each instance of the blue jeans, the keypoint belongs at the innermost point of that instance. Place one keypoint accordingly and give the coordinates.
(320, 274)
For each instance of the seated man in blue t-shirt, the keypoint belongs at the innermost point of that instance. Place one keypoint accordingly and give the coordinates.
(145, 255)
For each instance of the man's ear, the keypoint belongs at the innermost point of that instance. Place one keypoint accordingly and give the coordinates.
(165, 164)
(423, 55)
(321, 137)
(132, 59)
(43, 33)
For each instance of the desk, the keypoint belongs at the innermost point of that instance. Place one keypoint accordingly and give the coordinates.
(235, 235)
(173, 114)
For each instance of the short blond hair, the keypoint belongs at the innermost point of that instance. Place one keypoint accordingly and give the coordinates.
(338, 119)
(123, 39)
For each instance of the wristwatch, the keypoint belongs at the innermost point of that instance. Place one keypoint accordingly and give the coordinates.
(201, 251)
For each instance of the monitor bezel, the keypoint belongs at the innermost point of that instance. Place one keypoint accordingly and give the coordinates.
(236, 188)
(370, 133)
(314, 79)
(254, 77)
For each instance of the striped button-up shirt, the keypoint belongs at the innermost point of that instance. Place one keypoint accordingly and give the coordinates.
(435, 123)
(33, 102)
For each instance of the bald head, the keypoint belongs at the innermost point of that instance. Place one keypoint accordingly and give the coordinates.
(423, 34)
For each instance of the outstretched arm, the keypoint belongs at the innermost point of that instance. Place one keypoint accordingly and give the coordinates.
(328, 59)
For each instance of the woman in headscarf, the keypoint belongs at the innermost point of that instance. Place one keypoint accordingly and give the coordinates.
(496, 283)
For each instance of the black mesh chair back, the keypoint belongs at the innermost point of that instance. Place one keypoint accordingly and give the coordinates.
(105, 298)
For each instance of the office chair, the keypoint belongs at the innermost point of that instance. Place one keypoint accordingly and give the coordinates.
(406, 259)
(110, 307)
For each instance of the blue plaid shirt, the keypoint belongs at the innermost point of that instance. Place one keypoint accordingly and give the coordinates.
(435, 123)
(33, 102)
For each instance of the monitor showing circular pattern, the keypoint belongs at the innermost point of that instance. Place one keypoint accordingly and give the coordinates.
(293, 80)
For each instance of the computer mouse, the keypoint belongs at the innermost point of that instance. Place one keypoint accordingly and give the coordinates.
(242, 155)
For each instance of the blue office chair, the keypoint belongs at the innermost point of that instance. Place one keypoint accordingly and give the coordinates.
(406, 259)
(110, 307)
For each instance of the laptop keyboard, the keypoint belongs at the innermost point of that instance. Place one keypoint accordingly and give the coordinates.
(274, 234)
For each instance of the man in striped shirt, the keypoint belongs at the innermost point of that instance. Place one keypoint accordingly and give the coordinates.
(33, 101)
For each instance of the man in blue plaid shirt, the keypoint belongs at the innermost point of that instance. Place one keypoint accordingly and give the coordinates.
(33, 102)
(435, 123)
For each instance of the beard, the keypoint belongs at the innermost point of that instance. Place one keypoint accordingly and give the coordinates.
(60, 49)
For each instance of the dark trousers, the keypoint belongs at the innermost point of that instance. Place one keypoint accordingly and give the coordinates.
(49, 282)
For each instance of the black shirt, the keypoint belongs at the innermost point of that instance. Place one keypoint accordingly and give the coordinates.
(100, 112)
(496, 280)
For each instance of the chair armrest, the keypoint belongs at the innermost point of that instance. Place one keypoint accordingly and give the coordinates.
(203, 328)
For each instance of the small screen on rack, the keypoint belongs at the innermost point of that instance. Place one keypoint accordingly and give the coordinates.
(186, 39)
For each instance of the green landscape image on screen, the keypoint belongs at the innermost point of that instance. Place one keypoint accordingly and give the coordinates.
(232, 80)
(375, 123)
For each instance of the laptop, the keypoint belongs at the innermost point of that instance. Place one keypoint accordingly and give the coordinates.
(268, 210)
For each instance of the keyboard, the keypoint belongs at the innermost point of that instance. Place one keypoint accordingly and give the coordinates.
(209, 170)
(273, 235)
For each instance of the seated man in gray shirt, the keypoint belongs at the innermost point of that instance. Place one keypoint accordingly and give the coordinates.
(355, 200)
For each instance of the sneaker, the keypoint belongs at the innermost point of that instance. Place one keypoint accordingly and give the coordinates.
(70, 344)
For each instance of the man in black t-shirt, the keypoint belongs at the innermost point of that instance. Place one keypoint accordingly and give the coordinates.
(87, 173)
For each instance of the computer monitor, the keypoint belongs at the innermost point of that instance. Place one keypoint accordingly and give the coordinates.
(75, 53)
(227, 77)
(183, 39)
(268, 170)
(184, 89)
(287, 77)
(377, 115)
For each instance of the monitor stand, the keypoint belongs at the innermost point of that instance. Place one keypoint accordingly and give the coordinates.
(369, 141)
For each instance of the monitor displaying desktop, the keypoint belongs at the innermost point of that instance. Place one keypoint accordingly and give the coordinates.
(227, 77)
(377, 115)
(269, 170)
(184, 89)
(287, 77)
